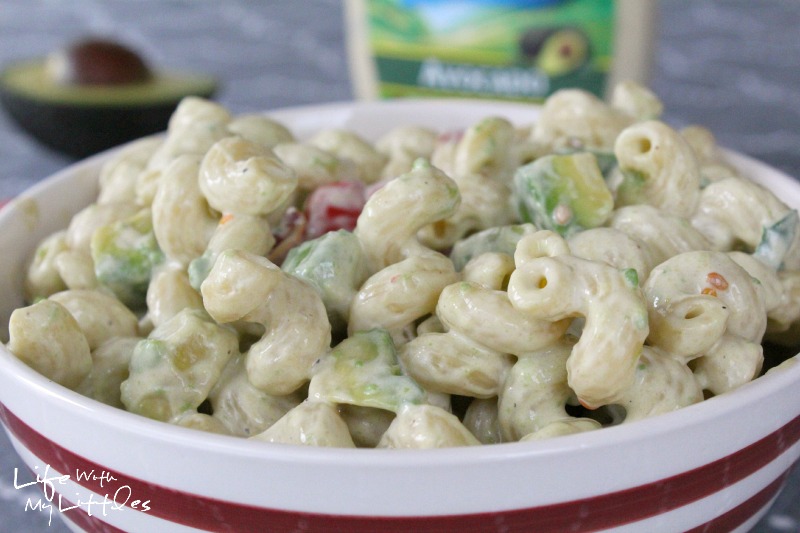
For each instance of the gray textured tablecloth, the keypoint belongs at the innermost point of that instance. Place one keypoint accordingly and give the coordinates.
(732, 65)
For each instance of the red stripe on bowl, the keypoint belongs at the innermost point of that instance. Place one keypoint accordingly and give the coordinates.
(726, 522)
(745, 510)
(599, 512)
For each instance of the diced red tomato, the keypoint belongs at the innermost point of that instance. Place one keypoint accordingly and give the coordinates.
(334, 206)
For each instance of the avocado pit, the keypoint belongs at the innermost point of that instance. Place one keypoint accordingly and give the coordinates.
(97, 62)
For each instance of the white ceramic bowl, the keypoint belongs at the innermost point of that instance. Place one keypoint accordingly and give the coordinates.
(716, 465)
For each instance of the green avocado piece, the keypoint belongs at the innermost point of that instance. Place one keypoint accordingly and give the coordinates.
(564, 193)
(500, 239)
(777, 239)
(80, 120)
(125, 254)
(364, 370)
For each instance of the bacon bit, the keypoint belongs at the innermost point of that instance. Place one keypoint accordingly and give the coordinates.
(709, 291)
(288, 234)
(575, 142)
(586, 405)
(227, 217)
(717, 281)
(562, 215)
(452, 136)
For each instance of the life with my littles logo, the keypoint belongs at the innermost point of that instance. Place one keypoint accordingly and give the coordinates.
(55, 490)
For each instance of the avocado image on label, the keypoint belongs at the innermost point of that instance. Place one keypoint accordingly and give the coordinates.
(556, 51)
(92, 95)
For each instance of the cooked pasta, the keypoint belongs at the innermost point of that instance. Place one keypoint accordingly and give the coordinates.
(419, 289)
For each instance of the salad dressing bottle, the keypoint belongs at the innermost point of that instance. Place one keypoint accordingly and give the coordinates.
(502, 49)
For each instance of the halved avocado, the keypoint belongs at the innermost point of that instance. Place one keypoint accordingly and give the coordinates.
(83, 119)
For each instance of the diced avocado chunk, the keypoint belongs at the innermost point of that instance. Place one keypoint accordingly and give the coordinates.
(501, 239)
(606, 161)
(335, 265)
(776, 240)
(564, 193)
(364, 370)
(200, 267)
(124, 255)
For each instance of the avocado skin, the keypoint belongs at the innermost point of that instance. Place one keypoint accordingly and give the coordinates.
(81, 129)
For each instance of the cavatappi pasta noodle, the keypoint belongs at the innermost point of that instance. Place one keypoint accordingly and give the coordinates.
(424, 289)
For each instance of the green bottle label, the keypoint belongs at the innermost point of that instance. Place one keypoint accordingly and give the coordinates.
(518, 50)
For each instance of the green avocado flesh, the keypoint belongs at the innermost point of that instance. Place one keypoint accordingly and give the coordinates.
(81, 120)
(31, 80)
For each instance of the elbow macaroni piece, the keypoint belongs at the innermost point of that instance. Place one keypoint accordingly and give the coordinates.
(735, 212)
(408, 276)
(248, 233)
(659, 168)
(572, 118)
(603, 361)
(347, 145)
(240, 176)
(183, 222)
(313, 166)
(110, 363)
(481, 419)
(705, 308)
(310, 424)
(535, 393)
(43, 277)
(396, 296)
(612, 246)
(404, 145)
(662, 384)
(168, 294)
(243, 409)
(260, 129)
(482, 332)
(487, 149)
(712, 165)
(100, 316)
(660, 234)
(482, 162)
(394, 214)
(47, 338)
(426, 426)
(246, 287)
(636, 101)
(194, 127)
(77, 270)
(117, 180)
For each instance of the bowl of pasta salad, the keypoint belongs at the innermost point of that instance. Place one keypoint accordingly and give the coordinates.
(427, 315)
